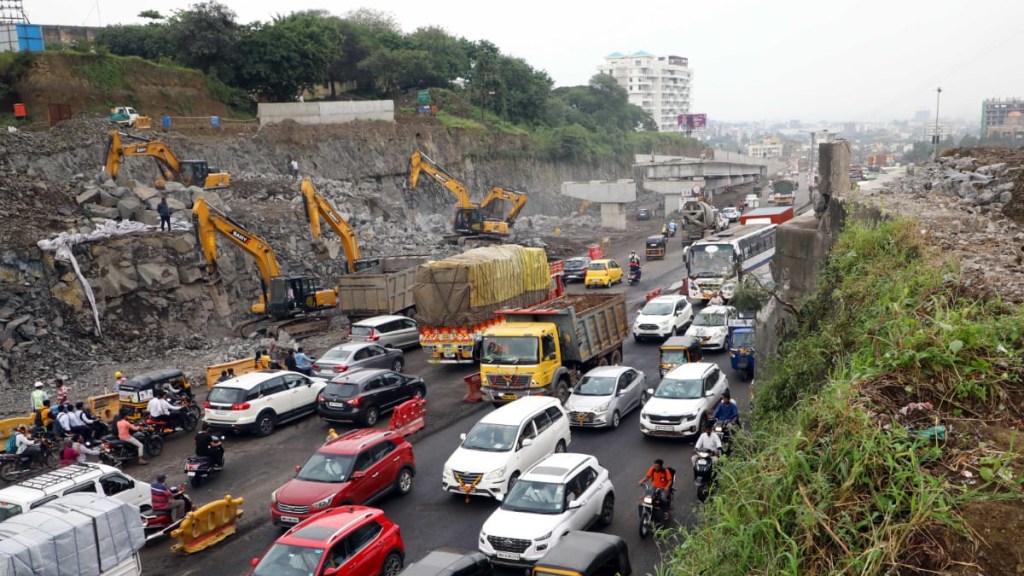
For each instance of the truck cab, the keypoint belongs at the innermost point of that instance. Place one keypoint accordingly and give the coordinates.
(519, 359)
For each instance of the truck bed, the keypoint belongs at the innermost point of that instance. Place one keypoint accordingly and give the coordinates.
(383, 289)
(591, 325)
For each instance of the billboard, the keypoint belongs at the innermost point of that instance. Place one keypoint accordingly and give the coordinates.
(690, 122)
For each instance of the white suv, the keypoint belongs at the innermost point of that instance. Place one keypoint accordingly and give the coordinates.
(504, 444)
(33, 492)
(679, 404)
(259, 401)
(563, 492)
(663, 317)
(711, 326)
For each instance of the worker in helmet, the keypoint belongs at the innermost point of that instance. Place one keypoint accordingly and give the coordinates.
(119, 380)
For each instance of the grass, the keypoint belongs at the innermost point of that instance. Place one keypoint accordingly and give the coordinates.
(452, 122)
(828, 481)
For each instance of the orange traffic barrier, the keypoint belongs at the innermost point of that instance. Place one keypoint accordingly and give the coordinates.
(208, 525)
(652, 294)
(409, 417)
(243, 366)
(105, 406)
(9, 425)
(473, 383)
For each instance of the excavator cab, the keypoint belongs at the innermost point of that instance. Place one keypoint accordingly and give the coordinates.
(194, 172)
(290, 295)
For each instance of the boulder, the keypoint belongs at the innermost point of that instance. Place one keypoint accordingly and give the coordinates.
(993, 169)
(108, 200)
(181, 244)
(1005, 196)
(965, 164)
(128, 206)
(149, 217)
(68, 293)
(144, 193)
(173, 203)
(120, 192)
(172, 186)
(88, 196)
(118, 281)
(987, 197)
(106, 212)
(158, 275)
(189, 274)
(109, 184)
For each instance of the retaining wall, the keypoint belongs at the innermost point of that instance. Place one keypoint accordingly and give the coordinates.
(326, 112)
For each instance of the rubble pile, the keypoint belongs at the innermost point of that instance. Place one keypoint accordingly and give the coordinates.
(960, 203)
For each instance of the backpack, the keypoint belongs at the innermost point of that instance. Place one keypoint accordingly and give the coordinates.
(12, 443)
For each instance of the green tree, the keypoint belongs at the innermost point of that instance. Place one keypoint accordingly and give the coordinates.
(603, 104)
(447, 56)
(151, 15)
(149, 41)
(396, 69)
(204, 36)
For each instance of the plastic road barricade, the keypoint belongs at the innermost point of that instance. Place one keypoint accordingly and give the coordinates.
(473, 383)
(208, 525)
(243, 366)
(652, 294)
(408, 417)
(106, 406)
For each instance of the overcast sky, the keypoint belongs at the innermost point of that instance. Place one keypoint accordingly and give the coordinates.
(752, 59)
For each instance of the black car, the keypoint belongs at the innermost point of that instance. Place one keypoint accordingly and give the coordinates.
(643, 214)
(362, 396)
(575, 269)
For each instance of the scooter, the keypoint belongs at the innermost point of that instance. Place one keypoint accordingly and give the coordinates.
(634, 276)
(654, 506)
(703, 474)
(159, 524)
(116, 452)
(200, 468)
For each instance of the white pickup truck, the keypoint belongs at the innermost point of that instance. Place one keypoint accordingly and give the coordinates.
(127, 116)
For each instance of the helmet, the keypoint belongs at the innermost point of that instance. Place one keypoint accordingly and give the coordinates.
(161, 477)
(38, 384)
(117, 374)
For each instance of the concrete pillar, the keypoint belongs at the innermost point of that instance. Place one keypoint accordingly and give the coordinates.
(613, 216)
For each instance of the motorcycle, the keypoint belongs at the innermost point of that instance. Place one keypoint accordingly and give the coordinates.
(14, 468)
(116, 452)
(654, 506)
(158, 524)
(200, 468)
(724, 432)
(634, 276)
(703, 474)
(187, 422)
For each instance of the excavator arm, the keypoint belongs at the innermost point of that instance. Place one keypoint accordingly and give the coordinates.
(516, 199)
(317, 206)
(166, 161)
(420, 162)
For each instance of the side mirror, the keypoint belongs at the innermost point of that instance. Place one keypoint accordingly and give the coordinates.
(621, 393)
(574, 504)
(650, 391)
(358, 474)
(462, 436)
(500, 497)
(550, 356)
(298, 468)
(254, 561)
(527, 442)
(709, 393)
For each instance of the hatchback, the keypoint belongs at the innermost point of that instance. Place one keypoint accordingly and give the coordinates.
(352, 540)
(575, 269)
(362, 396)
(353, 355)
(356, 468)
(603, 273)
(393, 331)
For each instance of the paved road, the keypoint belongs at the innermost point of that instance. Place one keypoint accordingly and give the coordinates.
(430, 518)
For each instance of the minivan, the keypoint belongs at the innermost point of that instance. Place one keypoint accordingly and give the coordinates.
(392, 331)
(504, 444)
(93, 478)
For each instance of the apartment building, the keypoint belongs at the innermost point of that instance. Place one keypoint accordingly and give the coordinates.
(658, 84)
(1002, 118)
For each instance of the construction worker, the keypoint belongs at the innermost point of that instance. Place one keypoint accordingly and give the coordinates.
(119, 379)
(38, 395)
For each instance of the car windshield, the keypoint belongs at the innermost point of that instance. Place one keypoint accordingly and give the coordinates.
(341, 390)
(536, 497)
(709, 319)
(711, 261)
(327, 468)
(490, 437)
(225, 395)
(658, 309)
(575, 264)
(509, 350)
(289, 559)
(743, 340)
(358, 330)
(678, 389)
(596, 386)
(673, 356)
(600, 266)
(336, 355)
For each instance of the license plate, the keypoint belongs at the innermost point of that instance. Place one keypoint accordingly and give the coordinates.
(289, 519)
(508, 556)
(191, 474)
(702, 462)
(509, 397)
(336, 404)
(663, 428)
(219, 412)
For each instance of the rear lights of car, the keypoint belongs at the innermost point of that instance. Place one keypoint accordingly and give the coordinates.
(320, 398)
(354, 402)
(315, 367)
(240, 406)
(339, 368)
(374, 336)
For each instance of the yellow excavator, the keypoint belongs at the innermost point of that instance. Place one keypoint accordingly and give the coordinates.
(471, 220)
(187, 172)
(318, 207)
(281, 296)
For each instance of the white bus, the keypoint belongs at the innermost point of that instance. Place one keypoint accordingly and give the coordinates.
(719, 262)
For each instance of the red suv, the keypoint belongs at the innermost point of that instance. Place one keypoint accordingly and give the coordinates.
(354, 541)
(356, 468)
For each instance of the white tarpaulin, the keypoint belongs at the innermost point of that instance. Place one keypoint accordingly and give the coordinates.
(61, 244)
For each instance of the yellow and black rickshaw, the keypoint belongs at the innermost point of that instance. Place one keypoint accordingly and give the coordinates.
(136, 392)
(655, 247)
(679, 350)
(586, 554)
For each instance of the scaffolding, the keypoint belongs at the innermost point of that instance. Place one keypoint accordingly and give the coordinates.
(12, 12)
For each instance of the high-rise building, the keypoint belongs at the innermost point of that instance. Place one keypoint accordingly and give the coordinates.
(658, 84)
(922, 116)
(1002, 118)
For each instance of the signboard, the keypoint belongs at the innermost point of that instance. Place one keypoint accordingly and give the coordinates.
(691, 122)
(595, 252)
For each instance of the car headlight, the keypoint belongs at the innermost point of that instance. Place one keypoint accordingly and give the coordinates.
(447, 471)
(323, 503)
(495, 474)
(483, 537)
(543, 538)
(603, 407)
(273, 497)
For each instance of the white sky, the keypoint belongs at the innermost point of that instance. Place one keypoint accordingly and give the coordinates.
(752, 59)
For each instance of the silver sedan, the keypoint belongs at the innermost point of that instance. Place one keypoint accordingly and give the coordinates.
(604, 396)
(355, 355)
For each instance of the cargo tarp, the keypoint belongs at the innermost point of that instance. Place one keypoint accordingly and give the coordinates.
(79, 534)
(469, 287)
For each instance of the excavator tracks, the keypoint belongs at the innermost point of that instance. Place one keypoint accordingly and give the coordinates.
(295, 327)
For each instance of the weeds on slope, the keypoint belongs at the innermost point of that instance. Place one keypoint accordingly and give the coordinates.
(829, 481)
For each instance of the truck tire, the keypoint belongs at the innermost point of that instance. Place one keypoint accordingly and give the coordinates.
(602, 361)
(615, 358)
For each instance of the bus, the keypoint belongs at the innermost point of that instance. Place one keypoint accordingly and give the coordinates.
(719, 262)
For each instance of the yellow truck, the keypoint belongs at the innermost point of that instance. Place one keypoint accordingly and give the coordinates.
(542, 350)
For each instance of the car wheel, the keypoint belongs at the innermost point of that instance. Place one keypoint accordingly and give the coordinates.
(512, 481)
(616, 419)
(404, 481)
(392, 565)
(636, 338)
(397, 365)
(265, 424)
(419, 393)
(608, 510)
(371, 417)
(560, 447)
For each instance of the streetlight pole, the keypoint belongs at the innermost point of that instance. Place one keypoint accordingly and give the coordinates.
(935, 138)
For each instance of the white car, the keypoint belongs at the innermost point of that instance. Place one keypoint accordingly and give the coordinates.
(663, 317)
(504, 444)
(259, 401)
(678, 405)
(604, 395)
(711, 326)
(732, 213)
(563, 492)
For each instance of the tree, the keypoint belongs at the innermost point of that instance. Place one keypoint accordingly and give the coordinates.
(393, 70)
(204, 36)
(602, 104)
(151, 15)
(149, 41)
(447, 56)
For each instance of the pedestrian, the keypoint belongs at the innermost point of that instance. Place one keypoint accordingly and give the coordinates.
(62, 392)
(293, 167)
(231, 373)
(165, 213)
(289, 362)
(119, 379)
(38, 395)
(223, 376)
(303, 363)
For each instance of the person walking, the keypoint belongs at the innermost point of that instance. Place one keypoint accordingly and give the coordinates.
(62, 391)
(293, 167)
(38, 395)
(165, 213)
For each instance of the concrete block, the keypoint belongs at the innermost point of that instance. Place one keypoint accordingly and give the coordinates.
(108, 200)
(613, 216)
(127, 207)
(144, 193)
(89, 196)
(98, 211)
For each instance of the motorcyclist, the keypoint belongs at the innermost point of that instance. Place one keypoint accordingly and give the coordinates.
(164, 498)
(209, 446)
(634, 270)
(163, 411)
(727, 412)
(661, 480)
(633, 259)
(709, 442)
(716, 300)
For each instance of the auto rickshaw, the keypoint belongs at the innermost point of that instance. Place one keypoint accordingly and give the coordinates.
(741, 347)
(450, 562)
(679, 350)
(655, 247)
(586, 554)
(136, 393)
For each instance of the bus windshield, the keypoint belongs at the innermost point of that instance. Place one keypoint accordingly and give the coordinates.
(711, 261)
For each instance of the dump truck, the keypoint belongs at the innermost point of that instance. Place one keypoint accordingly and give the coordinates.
(386, 288)
(698, 217)
(456, 298)
(542, 350)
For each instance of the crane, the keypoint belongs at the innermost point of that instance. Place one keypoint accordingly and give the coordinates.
(281, 296)
(187, 172)
(318, 207)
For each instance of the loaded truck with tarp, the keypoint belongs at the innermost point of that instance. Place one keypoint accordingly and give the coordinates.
(542, 350)
(85, 534)
(456, 298)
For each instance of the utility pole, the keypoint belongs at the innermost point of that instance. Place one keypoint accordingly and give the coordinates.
(810, 160)
(935, 137)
